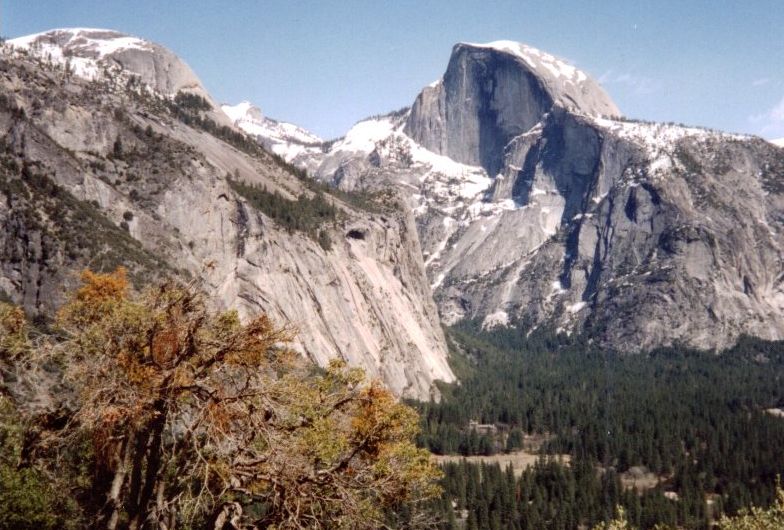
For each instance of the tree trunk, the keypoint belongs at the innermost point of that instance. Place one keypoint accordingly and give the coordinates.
(151, 478)
(134, 490)
(113, 502)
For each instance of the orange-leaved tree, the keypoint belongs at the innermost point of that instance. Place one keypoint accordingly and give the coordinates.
(193, 418)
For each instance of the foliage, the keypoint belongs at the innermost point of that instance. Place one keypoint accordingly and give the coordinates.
(619, 523)
(758, 518)
(695, 420)
(191, 101)
(306, 214)
(14, 330)
(193, 418)
(754, 519)
(27, 499)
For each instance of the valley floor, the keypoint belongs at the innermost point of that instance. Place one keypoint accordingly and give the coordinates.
(519, 460)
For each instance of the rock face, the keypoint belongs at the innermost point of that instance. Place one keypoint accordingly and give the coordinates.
(493, 93)
(511, 192)
(97, 173)
(95, 53)
(537, 205)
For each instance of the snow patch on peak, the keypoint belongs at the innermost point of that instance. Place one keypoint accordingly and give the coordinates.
(364, 136)
(284, 139)
(538, 60)
(112, 56)
(778, 142)
(244, 110)
(86, 42)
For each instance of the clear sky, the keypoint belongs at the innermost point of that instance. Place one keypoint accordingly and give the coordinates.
(326, 64)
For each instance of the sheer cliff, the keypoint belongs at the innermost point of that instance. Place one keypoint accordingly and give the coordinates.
(114, 154)
(538, 204)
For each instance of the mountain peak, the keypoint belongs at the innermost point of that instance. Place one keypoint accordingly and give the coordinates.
(283, 139)
(492, 93)
(534, 58)
(568, 86)
(244, 111)
(90, 51)
(92, 43)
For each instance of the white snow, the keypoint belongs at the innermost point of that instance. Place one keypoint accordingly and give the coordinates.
(574, 308)
(449, 224)
(83, 50)
(662, 163)
(80, 38)
(443, 178)
(659, 140)
(445, 165)
(241, 110)
(108, 46)
(363, 136)
(778, 142)
(580, 216)
(250, 119)
(284, 139)
(538, 60)
(659, 136)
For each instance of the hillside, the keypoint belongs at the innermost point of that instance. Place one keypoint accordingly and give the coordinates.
(538, 205)
(105, 165)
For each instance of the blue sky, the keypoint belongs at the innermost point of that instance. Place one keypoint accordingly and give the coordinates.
(326, 64)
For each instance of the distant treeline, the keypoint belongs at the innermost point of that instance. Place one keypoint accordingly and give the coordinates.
(697, 420)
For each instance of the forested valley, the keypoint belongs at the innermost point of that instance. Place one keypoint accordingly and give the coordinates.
(148, 410)
(703, 429)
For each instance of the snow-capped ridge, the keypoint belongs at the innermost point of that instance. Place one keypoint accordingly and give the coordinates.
(284, 139)
(92, 52)
(660, 132)
(98, 41)
(115, 57)
(535, 58)
(243, 111)
(777, 142)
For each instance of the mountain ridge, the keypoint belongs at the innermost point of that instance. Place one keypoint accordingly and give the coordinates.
(158, 170)
(536, 204)
(528, 189)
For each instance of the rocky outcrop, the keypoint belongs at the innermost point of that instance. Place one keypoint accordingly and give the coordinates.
(650, 246)
(527, 199)
(135, 185)
(493, 93)
(100, 53)
(536, 208)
